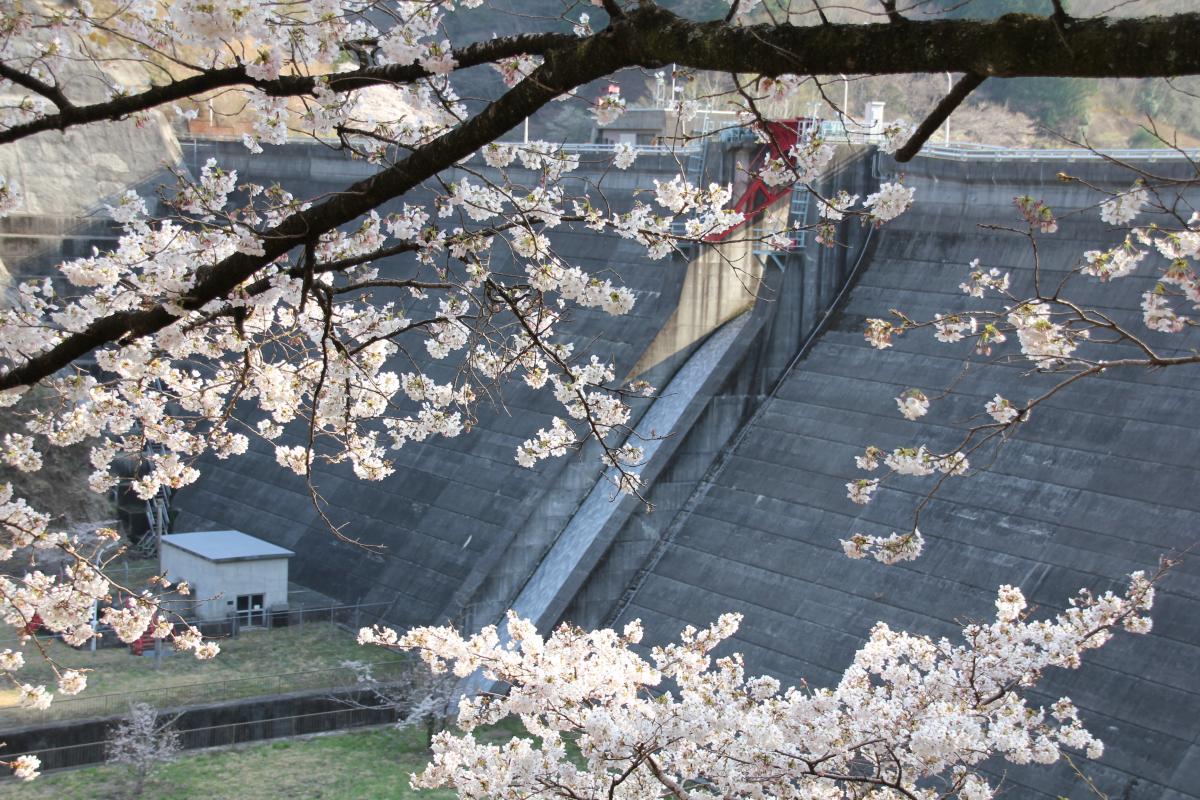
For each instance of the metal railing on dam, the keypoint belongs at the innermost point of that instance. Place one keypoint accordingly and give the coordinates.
(958, 151)
(969, 151)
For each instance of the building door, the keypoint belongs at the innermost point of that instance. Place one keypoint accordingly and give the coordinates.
(250, 611)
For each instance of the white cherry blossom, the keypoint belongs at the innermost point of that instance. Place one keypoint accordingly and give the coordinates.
(907, 709)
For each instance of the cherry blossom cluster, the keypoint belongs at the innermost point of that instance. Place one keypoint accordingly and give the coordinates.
(1048, 331)
(892, 200)
(608, 108)
(834, 208)
(886, 549)
(982, 280)
(624, 154)
(1178, 279)
(516, 69)
(1039, 215)
(313, 346)
(1122, 209)
(1002, 410)
(911, 717)
(705, 210)
(895, 134)
(913, 404)
(804, 162)
(1116, 262)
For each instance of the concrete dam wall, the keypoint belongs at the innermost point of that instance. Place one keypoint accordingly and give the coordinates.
(453, 504)
(767, 408)
(462, 525)
(1098, 484)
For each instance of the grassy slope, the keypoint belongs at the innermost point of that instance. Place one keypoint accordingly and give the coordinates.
(244, 660)
(348, 766)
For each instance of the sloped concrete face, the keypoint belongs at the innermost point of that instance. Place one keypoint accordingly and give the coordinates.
(793, 300)
(1100, 483)
(453, 518)
(722, 282)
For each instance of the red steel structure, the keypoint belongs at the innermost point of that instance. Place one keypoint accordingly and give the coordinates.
(782, 134)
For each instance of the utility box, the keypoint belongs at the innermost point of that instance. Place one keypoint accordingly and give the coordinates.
(873, 120)
(231, 574)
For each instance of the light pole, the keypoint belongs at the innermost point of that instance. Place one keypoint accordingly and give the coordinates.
(949, 88)
(96, 603)
(845, 98)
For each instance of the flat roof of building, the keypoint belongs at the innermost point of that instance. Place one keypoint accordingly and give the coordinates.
(226, 546)
(638, 119)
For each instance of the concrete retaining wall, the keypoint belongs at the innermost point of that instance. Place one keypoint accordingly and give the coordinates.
(76, 743)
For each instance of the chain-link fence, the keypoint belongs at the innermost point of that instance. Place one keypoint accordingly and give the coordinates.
(350, 617)
(275, 623)
(223, 735)
(203, 692)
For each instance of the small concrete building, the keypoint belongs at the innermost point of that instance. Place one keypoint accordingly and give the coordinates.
(638, 126)
(230, 573)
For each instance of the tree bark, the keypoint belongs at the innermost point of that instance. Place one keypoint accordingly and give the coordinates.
(1015, 45)
(651, 37)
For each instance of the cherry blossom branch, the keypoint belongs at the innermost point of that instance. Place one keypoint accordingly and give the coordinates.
(1013, 46)
(614, 10)
(677, 791)
(651, 36)
(70, 115)
(894, 16)
(966, 84)
(886, 723)
(592, 58)
(627, 480)
(327, 339)
(52, 93)
(1060, 13)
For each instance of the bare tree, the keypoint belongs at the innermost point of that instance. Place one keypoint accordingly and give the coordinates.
(421, 698)
(142, 744)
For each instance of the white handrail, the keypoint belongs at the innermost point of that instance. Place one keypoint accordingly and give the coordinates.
(966, 151)
(833, 132)
(642, 149)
